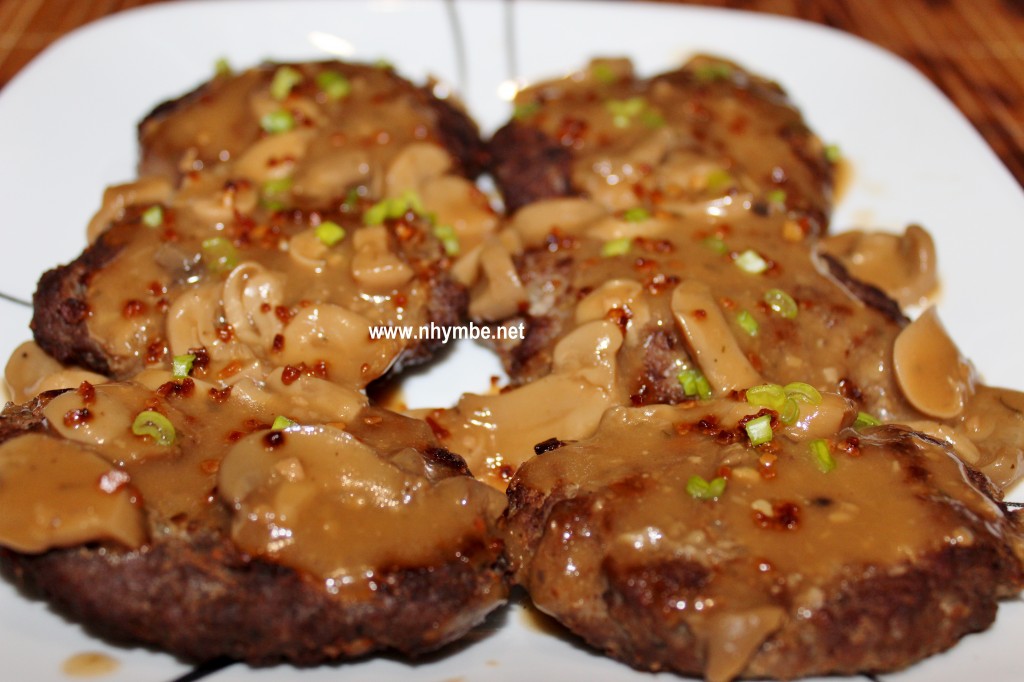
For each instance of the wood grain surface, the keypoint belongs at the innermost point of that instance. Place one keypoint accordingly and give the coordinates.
(972, 49)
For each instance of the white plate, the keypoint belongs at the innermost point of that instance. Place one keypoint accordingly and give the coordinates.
(67, 130)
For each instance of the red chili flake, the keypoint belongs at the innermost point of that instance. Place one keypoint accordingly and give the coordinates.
(400, 300)
(265, 307)
(209, 466)
(235, 436)
(133, 308)
(654, 245)
(440, 431)
(373, 420)
(406, 233)
(113, 480)
(156, 351)
(727, 303)
(162, 305)
(785, 516)
(766, 465)
(290, 375)
(284, 314)
(225, 332)
(75, 418)
(620, 316)
(230, 370)
(87, 392)
(850, 390)
(661, 283)
(201, 362)
(320, 369)
(220, 395)
(849, 446)
(571, 131)
(181, 388)
(278, 343)
(724, 471)
(700, 314)
(273, 439)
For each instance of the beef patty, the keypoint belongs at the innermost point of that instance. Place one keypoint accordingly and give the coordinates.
(177, 504)
(707, 132)
(670, 542)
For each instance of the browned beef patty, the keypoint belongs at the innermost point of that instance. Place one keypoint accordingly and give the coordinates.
(774, 562)
(192, 588)
(707, 131)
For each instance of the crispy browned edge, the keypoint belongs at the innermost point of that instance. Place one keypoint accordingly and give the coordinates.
(869, 622)
(192, 593)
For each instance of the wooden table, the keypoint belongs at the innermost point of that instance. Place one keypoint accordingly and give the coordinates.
(972, 49)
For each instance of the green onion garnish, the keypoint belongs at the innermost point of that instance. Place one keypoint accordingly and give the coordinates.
(759, 429)
(790, 412)
(616, 247)
(716, 244)
(333, 84)
(329, 233)
(716, 71)
(700, 489)
(281, 423)
(718, 180)
(153, 216)
(771, 396)
(285, 78)
(637, 214)
(776, 196)
(220, 254)
(181, 365)
(449, 240)
(602, 73)
(864, 419)
(623, 111)
(222, 67)
(652, 119)
(781, 302)
(280, 121)
(747, 322)
(802, 391)
(833, 153)
(395, 207)
(695, 384)
(821, 455)
(524, 111)
(276, 188)
(155, 425)
(752, 262)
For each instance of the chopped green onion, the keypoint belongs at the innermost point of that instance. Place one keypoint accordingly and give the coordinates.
(833, 153)
(329, 233)
(602, 73)
(652, 119)
(394, 207)
(637, 214)
(700, 489)
(153, 216)
(781, 302)
(716, 244)
(222, 67)
(280, 121)
(695, 384)
(623, 111)
(771, 396)
(449, 240)
(616, 247)
(220, 254)
(801, 391)
(384, 65)
(274, 189)
(715, 71)
(524, 111)
(821, 455)
(776, 196)
(752, 262)
(333, 84)
(281, 423)
(285, 78)
(759, 429)
(718, 180)
(155, 425)
(181, 365)
(864, 419)
(790, 412)
(747, 322)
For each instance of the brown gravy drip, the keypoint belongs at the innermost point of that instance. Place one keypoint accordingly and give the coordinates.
(89, 664)
(784, 524)
(680, 139)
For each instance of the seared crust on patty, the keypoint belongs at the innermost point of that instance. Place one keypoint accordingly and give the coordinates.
(800, 582)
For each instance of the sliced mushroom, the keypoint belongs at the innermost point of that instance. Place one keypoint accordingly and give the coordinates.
(710, 339)
(374, 265)
(500, 293)
(570, 216)
(250, 298)
(414, 165)
(934, 377)
(148, 190)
